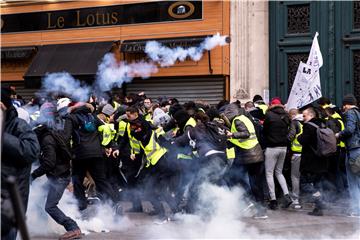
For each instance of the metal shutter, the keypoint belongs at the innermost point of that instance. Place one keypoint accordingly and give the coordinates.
(209, 89)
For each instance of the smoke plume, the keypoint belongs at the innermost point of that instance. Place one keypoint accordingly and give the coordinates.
(166, 56)
(64, 83)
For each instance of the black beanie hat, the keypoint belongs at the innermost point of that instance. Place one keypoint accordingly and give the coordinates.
(181, 117)
(349, 99)
(257, 98)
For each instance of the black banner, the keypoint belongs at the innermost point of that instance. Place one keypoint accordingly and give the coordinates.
(148, 12)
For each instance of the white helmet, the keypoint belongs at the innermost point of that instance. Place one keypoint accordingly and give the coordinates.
(62, 102)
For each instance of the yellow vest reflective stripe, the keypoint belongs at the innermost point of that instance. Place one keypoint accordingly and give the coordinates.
(121, 130)
(230, 153)
(338, 117)
(183, 156)
(108, 133)
(190, 122)
(263, 108)
(134, 143)
(295, 145)
(247, 143)
(153, 151)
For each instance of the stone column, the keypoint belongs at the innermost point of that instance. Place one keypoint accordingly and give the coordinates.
(249, 55)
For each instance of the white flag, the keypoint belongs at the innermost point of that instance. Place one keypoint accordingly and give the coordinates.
(307, 88)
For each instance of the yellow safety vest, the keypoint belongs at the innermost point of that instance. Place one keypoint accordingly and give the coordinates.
(108, 133)
(263, 108)
(121, 130)
(116, 105)
(153, 151)
(134, 143)
(244, 143)
(148, 117)
(230, 153)
(295, 145)
(338, 117)
(190, 122)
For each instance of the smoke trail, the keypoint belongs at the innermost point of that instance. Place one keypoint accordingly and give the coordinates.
(64, 83)
(111, 74)
(166, 56)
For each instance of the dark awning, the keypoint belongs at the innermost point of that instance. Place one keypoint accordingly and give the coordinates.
(77, 59)
(138, 46)
(16, 53)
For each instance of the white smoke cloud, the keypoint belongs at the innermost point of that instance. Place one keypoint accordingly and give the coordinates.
(41, 224)
(64, 83)
(166, 56)
(111, 74)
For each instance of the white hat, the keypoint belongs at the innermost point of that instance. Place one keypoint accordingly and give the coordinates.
(62, 102)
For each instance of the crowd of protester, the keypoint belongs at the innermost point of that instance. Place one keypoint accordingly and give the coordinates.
(135, 148)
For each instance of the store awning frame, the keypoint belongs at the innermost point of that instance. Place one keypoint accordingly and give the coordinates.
(76, 59)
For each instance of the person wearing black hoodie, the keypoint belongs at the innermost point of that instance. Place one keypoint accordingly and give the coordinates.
(275, 130)
(55, 163)
(20, 148)
(88, 153)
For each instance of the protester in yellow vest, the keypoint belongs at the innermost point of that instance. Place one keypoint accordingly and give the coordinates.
(296, 129)
(248, 155)
(337, 171)
(158, 168)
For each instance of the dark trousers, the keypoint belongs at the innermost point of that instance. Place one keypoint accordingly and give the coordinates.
(315, 183)
(56, 189)
(96, 168)
(156, 184)
(250, 177)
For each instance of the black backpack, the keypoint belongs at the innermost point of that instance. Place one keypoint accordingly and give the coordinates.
(217, 133)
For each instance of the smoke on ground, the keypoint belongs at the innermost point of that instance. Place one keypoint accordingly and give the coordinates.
(103, 218)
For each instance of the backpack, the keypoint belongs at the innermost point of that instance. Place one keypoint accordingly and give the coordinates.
(217, 134)
(326, 141)
(87, 122)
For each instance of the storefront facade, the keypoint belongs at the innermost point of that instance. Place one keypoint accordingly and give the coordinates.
(73, 36)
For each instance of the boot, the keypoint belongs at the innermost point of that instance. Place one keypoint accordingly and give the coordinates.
(316, 212)
(273, 205)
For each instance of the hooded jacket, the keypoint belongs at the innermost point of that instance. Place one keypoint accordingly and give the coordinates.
(85, 144)
(53, 161)
(351, 133)
(276, 127)
(243, 156)
(19, 150)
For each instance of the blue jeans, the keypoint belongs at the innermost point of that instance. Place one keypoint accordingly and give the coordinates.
(57, 187)
(353, 181)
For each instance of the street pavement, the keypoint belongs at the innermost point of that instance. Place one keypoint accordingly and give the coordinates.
(281, 224)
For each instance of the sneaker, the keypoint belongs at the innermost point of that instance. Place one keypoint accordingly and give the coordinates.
(93, 200)
(287, 201)
(248, 207)
(354, 214)
(261, 214)
(273, 205)
(296, 204)
(316, 212)
(74, 234)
